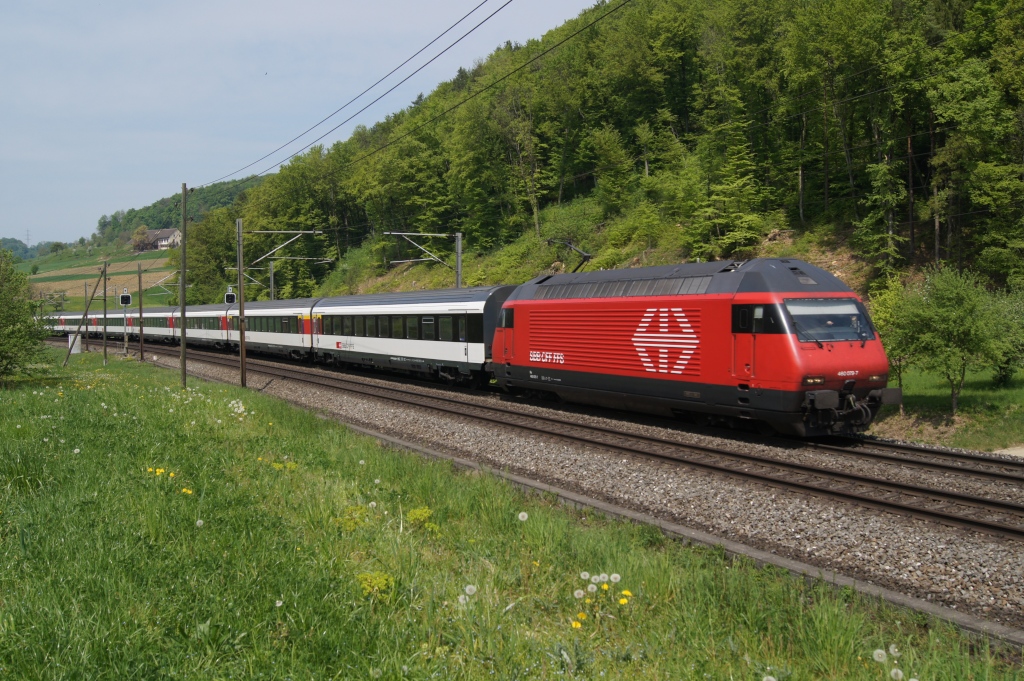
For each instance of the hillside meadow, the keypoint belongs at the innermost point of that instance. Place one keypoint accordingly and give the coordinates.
(150, 532)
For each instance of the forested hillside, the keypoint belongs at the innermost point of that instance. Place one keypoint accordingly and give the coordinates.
(699, 127)
(166, 213)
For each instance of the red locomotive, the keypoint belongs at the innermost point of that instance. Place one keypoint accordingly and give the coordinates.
(770, 340)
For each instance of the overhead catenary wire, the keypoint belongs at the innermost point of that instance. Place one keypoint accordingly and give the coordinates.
(474, 95)
(379, 81)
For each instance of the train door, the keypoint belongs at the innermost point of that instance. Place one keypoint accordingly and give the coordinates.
(744, 340)
(506, 324)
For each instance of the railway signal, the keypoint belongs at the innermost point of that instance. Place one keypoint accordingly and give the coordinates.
(229, 297)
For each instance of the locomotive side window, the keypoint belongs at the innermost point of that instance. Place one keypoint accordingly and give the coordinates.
(428, 328)
(412, 328)
(444, 328)
(757, 319)
(506, 320)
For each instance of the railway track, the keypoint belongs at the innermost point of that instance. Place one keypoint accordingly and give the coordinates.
(992, 516)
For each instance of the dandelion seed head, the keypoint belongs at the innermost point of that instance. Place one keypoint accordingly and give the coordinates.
(879, 655)
(768, 678)
(578, 593)
(470, 589)
(893, 650)
(463, 598)
(278, 603)
(362, 462)
(615, 578)
(896, 674)
(591, 588)
(373, 504)
(523, 516)
(584, 575)
(595, 579)
(199, 523)
(604, 577)
(77, 450)
(377, 481)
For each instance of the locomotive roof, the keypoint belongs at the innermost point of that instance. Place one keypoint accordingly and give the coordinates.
(448, 295)
(778, 275)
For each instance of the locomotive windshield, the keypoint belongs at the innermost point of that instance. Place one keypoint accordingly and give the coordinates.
(829, 319)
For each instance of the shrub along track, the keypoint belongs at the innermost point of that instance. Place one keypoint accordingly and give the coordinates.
(993, 516)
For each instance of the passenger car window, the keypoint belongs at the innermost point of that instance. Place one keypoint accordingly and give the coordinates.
(428, 328)
(397, 328)
(412, 327)
(444, 331)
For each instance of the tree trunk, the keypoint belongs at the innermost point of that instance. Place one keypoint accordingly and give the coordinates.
(910, 188)
(800, 172)
(824, 112)
(846, 151)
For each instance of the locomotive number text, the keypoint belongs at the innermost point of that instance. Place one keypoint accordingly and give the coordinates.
(848, 373)
(547, 357)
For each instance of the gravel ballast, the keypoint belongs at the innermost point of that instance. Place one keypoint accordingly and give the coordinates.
(967, 571)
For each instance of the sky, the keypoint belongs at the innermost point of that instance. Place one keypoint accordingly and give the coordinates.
(111, 105)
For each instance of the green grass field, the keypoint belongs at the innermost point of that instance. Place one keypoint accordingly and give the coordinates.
(988, 419)
(149, 532)
(79, 256)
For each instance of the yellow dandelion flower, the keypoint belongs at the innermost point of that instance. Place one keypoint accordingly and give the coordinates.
(159, 471)
(536, 563)
(270, 424)
(623, 601)
(259, 458)
(587, 600)
(581, 615)
(150, 470)
(172, 474)
(627, 593)
(576, 625)
(277, 466)
(604, 586)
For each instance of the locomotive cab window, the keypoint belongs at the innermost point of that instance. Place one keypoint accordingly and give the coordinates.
(757, 319)
(829, 319)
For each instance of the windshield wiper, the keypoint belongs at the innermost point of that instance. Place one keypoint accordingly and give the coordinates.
(806, 332)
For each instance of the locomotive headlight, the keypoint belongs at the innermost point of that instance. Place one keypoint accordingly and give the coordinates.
(878, 378)
(814, 380)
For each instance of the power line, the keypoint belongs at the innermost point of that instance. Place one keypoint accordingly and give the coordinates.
(435, 57)
(478, 92)
(343, 106)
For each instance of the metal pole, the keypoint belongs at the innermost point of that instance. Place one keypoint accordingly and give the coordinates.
(458, 259)
(142, 327)
(104, 314)
(181, 280)
(88, 301)
(272, 280)
(241, 305)
(84, 320)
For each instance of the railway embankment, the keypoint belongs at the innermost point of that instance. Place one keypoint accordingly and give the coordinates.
(223, 532)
